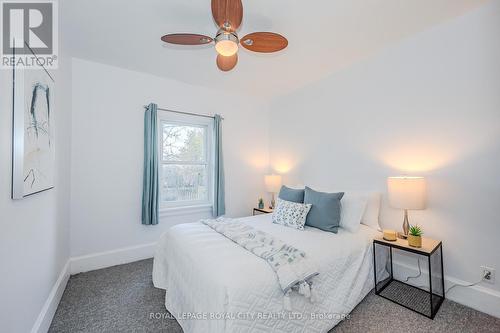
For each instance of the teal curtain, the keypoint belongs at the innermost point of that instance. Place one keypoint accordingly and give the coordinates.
(150, 191)
(219, 199)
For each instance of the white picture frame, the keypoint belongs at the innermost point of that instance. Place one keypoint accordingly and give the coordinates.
(33, 151)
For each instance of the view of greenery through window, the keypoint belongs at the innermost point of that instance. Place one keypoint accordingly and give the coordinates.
(184, 163)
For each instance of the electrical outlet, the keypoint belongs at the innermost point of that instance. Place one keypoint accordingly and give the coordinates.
(488, 274)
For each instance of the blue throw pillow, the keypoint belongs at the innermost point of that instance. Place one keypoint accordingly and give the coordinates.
(291, 194)
(325, 210)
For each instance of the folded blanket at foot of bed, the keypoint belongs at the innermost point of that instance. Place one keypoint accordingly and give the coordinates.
(293, 270)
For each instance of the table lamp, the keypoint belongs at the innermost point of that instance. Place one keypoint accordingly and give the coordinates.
(273, 185)
(406, 193)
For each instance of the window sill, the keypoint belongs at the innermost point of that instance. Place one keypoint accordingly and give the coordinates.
(185, 210)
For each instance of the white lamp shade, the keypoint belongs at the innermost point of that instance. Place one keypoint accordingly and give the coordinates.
(406, 192)
(273, 183)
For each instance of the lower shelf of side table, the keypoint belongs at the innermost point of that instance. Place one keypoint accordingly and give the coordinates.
(411, 297)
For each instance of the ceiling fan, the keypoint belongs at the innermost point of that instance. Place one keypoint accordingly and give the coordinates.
(228, 15)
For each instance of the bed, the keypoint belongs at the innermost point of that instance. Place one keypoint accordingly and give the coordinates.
(214, 285)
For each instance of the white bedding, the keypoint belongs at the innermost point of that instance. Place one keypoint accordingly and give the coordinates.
(214, 285)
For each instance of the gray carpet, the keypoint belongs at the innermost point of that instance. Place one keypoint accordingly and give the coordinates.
(122, 298)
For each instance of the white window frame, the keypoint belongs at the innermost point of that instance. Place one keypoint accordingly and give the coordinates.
(193, 206)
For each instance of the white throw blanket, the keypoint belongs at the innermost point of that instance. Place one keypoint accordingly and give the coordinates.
(293, 270)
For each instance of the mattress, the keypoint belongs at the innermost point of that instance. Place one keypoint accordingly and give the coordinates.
(214, 285)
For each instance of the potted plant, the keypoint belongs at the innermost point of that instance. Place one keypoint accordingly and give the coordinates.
(415, 236)
(261, 203)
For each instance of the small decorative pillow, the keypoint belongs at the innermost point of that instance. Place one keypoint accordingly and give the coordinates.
(291, 214)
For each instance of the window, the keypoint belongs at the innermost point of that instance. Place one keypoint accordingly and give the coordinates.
(186, 155)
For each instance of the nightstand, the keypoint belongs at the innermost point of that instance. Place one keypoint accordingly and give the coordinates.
(425, 302)
(258, 211)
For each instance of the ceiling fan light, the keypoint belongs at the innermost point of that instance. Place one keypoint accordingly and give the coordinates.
(226, 48)
(226, 43)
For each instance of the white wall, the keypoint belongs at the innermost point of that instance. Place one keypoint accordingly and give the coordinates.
(107, 152)
(34, 232)
(429, 106)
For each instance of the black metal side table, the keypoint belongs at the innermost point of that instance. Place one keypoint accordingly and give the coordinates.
(425, 302)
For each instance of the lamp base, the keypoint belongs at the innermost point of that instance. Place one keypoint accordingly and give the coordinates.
(406, 227)
(273, 203)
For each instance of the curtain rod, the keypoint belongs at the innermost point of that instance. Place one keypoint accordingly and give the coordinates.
(188, 113)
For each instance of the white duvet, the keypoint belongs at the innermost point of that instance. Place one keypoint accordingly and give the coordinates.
(213, 285)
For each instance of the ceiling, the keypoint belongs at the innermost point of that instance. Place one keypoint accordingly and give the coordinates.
(324, 36)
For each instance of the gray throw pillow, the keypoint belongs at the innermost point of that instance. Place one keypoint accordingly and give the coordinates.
(325, 210)
(291, 194)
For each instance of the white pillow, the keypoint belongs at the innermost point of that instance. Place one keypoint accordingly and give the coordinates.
(370, 217)
(360, 207)
(352, 209)
(290, 214)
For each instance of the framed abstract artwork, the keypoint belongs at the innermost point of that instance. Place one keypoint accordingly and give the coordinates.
(33, 131)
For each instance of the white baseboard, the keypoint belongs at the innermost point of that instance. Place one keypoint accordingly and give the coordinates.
(111, 258)
(477, 297)
(44, 319)
(83, 264)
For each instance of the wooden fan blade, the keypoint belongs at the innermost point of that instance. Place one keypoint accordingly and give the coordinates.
(227, 63)
(187, 39)
(265, 42)
(230, 11)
